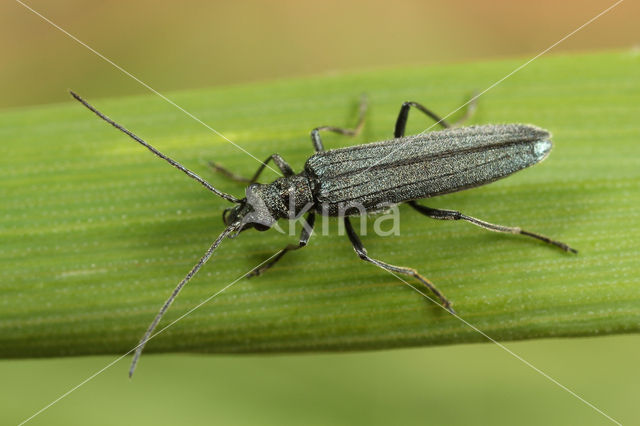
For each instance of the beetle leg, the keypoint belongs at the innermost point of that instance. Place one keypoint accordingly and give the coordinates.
(472, 105)
(307, 229)
(315, 133)
(403, 116)
(401, 122)
(284, 167)
(362, 252)
(456, 215)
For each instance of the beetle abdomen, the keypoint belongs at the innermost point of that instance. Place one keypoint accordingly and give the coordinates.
(421, 166)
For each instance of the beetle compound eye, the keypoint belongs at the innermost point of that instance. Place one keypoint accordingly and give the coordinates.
(225, 214)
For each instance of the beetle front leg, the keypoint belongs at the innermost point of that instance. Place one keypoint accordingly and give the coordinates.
(307, 229)
(284, 167)
(456, 215)
(315, 133)
(362, 252)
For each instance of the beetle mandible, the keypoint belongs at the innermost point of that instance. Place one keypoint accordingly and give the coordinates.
(371, 176)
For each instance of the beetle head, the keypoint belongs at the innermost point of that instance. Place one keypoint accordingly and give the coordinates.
(251, 212)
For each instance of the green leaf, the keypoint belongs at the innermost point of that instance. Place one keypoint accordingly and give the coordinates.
(96, 232)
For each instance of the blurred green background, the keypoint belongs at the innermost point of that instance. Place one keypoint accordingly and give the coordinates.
(195, 44)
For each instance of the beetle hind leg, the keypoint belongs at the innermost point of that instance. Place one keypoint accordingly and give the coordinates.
(456, 215)
(403, 116)
(362, 252)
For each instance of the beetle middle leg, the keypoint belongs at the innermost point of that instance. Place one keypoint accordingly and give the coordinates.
(362, 252)
(307, 229)
(284, 167)
(456, 215)
(403, 116)
(315, 133)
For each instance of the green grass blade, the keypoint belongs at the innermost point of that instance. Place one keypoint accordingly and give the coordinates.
(96, 232)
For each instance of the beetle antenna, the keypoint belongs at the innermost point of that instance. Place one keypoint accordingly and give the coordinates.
(231, 228)
(174, 163)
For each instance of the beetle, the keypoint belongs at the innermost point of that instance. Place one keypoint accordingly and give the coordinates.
(370, 177)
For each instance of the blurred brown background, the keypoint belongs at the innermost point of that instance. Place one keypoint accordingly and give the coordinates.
(198, 43)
